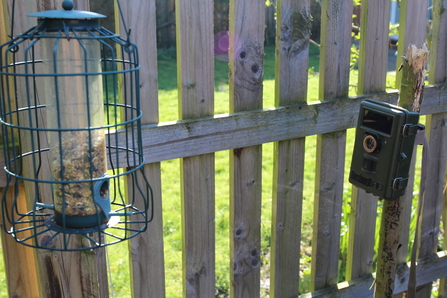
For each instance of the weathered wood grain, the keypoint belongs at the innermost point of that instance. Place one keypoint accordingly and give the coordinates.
(19, 260)
(22, 23)
(247, 21)
(435, 205)
(411, 88)
(438, 65)
(195, 72)
(438, 73)
(170, 140)
(146, 251)
(412, 29)
(293, 34)
(373, 64)
(19, 282)
(436, 169)
(374, 38)
(336, 25)
(327, 209)
(16, 257)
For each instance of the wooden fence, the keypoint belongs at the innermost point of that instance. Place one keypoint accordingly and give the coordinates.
(198, 134)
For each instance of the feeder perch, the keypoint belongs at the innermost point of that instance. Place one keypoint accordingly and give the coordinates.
(70, 115)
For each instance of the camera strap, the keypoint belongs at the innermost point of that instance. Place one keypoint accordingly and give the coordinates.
(421, 139)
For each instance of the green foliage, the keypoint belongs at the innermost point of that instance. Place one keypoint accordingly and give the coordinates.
(355, 54)
(394, 29)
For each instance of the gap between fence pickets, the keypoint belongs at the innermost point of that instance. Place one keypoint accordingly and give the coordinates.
(428, 270)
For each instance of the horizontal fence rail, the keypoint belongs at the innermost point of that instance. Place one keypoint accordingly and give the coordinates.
(203, 135)
(184, 138)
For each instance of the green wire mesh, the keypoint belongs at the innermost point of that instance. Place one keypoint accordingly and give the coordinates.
(71, 132)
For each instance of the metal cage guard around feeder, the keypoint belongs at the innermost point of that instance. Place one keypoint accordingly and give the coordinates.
(72, 135)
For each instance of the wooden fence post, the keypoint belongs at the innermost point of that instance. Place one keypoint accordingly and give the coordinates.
(413, 75)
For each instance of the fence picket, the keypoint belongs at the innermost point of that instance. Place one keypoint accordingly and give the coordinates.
(19, 25)
(293, 34)
(438, 73)
(374, 37)
(22, 283)
(146, 250)
(196, 98)
(246, 74)
(438, 63)
(21, 276)
(434, 188)
(412, 30)
(334, 82)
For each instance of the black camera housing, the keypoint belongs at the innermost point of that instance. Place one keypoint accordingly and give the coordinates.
(383, 149)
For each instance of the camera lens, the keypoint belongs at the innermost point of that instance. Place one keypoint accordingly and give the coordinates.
(370, 144)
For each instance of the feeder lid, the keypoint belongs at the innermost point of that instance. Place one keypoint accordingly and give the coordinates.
(67, 14)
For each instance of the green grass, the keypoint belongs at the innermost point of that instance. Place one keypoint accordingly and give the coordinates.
(118, 261)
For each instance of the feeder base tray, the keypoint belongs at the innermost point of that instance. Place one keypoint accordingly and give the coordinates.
(79, 225)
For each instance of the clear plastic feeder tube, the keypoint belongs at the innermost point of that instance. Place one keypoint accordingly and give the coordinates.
(75, 110)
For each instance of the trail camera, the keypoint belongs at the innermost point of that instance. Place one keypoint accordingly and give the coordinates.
(384, 143)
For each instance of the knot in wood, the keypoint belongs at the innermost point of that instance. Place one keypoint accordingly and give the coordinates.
(242, 55)
(249, 70)
(295, 32)
(255, 263)
(239, 233)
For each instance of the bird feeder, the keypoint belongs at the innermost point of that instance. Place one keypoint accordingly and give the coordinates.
(70, 115)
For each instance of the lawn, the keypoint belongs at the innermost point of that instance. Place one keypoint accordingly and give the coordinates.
(118, 254)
